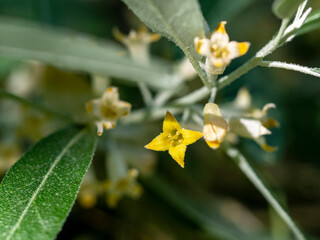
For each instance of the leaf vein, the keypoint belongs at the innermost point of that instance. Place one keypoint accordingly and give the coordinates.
(56, 161)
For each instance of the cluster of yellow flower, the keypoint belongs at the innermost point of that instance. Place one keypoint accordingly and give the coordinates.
(244, 120)
(249, 123)
(175, 139)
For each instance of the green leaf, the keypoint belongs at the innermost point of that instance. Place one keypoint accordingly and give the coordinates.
(311, 23)
(39, 190)
(285, 8)
(179, 20)
(24, 40)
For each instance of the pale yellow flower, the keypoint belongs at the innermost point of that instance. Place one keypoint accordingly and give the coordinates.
(215, 126)
(251, 122)
(137, 42)
(219, 50)
(126, 185)
(121, 182)
(108, 109)
(90, 189)
(174, 139)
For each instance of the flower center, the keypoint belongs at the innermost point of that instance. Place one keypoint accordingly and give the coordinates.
(122, 184)
(175, 137)
(108, 112)
(221, 52)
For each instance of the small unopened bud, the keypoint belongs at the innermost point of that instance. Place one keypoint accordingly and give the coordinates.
(215, 126)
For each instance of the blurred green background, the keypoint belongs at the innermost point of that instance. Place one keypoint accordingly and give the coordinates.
(210, 198)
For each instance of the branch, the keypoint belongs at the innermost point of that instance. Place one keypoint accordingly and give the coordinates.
(291, 66)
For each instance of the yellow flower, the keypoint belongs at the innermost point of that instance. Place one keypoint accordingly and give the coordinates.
(174, 138)
(219, 50)
(215, 126)
(108, 109)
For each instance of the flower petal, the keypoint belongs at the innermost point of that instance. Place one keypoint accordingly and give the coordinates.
(93, 107)
(248, 128)
(213, 144)
(190, 136)
(203, 46)
(110, 96)
(220, 36)
(243, 47)
(263, 144)
(215, 126)
(170, 123)
(99, 128)
(237, 49)
(266, 108)
(220, 28)
(160, 143)
(123, 108)
(109, 124)
(270, 123)
(118, 35)
(233, 50)
(177, 153)
(154, 37)
(243, 99)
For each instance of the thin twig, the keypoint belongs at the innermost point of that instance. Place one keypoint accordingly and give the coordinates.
(245, 167)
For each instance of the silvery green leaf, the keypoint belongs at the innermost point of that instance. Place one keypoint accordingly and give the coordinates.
(29, 41)
(178, 20)
(285, 8)
(38, 192)
(311, 23)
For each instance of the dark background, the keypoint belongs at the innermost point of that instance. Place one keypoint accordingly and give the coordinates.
(210, 182)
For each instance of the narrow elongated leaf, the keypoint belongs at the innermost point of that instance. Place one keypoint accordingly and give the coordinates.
(311, 23)
(179, 20)
(38, 192)
(285, 8)
(25, 40)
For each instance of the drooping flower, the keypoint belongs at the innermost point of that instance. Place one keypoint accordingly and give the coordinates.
(215, 126)
(174, 139)
(251, 122)
(108, 109)
(219, 50)
(137, 42)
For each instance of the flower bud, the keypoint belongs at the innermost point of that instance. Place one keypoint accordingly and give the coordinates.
(215, 126)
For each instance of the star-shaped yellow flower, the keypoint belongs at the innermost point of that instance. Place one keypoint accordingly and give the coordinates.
(174, 138)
